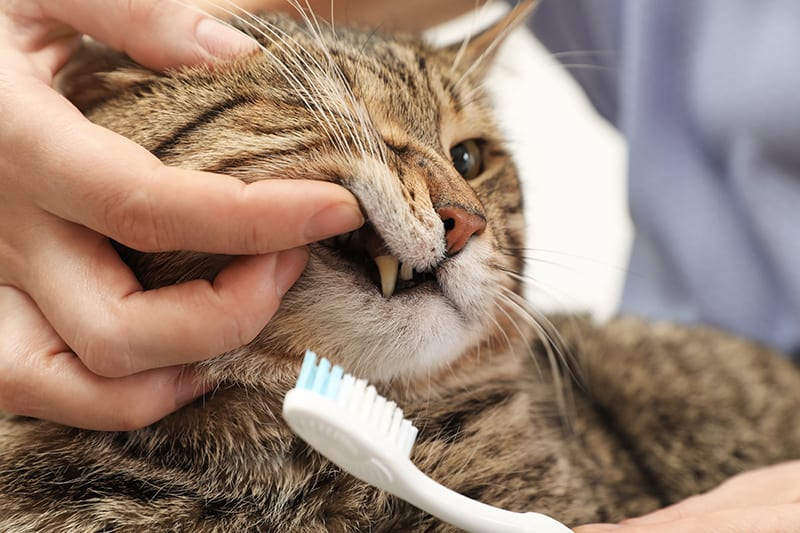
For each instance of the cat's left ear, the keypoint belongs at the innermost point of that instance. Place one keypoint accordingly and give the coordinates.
(476, 53)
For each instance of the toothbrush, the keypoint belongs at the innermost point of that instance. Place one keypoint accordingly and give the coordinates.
(347, 421)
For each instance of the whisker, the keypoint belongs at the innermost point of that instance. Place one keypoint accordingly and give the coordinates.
(573, 53)
(538, 317)
(323, 84)
(332, 94)
(553, 344)
(366, 125)
(588, 66)
(260, 27)
(502, 332)
(519, 330)
(560, 300)
(529, 256)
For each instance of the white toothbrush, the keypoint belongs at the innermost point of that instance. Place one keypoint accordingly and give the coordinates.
(347, 421)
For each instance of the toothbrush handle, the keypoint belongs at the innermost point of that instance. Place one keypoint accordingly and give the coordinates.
(421, 491)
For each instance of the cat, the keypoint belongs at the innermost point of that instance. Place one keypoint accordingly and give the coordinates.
(581, 421)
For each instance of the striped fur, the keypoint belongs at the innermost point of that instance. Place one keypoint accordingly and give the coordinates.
(656, 413)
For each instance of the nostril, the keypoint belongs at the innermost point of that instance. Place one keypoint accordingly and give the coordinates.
(460, 225)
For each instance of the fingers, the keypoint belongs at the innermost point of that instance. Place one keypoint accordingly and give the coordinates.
(763, 500)
(40, 377)
(156, 33)
(97, 306)
(66, 181)
(762, 519)
(775, 484)
(85, 174)
(96, 178)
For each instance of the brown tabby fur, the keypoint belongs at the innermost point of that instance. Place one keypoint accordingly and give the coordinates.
(655, 413)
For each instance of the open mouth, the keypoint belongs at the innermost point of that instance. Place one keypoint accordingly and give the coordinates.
(365, 249)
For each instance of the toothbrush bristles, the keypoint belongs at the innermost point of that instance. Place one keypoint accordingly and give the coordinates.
(358, 399)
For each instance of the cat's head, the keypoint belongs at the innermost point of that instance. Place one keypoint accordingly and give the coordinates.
(407, 128)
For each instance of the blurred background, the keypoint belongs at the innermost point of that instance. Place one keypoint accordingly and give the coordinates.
(572, 164)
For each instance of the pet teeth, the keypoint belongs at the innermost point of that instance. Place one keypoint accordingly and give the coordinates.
(388, 266)
(406, 272)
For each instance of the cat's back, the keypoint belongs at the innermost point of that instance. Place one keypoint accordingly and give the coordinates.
(693, 405)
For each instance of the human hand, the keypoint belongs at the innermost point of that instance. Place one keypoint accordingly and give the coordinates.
(80, 342)
(760, 501)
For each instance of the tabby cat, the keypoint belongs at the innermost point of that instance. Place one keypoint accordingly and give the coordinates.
(644, 415)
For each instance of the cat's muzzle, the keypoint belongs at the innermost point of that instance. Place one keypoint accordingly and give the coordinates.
(366, 249)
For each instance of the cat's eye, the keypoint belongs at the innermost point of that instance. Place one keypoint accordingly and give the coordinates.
(468, 158)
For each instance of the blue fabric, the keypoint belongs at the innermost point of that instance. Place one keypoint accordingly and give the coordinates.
(707, 93)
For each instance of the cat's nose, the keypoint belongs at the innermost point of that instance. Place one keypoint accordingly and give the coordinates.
(459, 226)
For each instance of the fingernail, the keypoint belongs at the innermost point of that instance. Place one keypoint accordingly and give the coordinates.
(334, 220)
(288, 266)
(190, 387)
(223, 41)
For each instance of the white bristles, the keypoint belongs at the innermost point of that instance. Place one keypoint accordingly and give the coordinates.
(367, 401)
(362, 402)
(384, 418)
(345, 390)
(409, 435)
(356, 395)
(374, 418)
(394, 425)
(358, 401)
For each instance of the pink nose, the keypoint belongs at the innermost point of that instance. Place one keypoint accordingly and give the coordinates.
(459, 226)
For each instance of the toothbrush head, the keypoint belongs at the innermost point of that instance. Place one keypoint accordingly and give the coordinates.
(339, 415)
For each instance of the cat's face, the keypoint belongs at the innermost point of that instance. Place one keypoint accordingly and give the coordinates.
(407, 129)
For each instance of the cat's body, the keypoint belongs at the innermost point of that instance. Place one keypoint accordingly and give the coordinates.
(668, 412)
(659, 412)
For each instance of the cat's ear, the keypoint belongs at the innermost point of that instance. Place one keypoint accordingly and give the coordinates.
(476, 53)
(95, 72)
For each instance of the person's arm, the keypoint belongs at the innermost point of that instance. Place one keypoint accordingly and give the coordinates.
(80, 342)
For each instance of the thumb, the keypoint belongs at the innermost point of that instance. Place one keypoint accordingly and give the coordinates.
(156, 33)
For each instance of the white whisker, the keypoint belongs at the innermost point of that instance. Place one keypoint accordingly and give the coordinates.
(587, 66)
(323, 87)
(366, 125)
(572, 53)
(331, 93)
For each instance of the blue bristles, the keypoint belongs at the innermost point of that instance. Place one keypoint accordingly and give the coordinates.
(333, 382)
(321, 378)
(307, 371)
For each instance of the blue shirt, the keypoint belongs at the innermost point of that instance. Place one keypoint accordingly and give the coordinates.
(707, 93)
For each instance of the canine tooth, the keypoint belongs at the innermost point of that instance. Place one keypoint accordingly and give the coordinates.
(406, 272)
(387, 267)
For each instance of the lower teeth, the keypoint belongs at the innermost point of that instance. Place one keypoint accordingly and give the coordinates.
(406, 272)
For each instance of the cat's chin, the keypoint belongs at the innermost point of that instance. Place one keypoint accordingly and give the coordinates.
(340, 313)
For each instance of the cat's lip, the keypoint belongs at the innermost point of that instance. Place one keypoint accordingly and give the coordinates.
(366, 247)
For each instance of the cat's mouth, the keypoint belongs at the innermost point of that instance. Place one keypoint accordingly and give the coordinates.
(367, 251)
